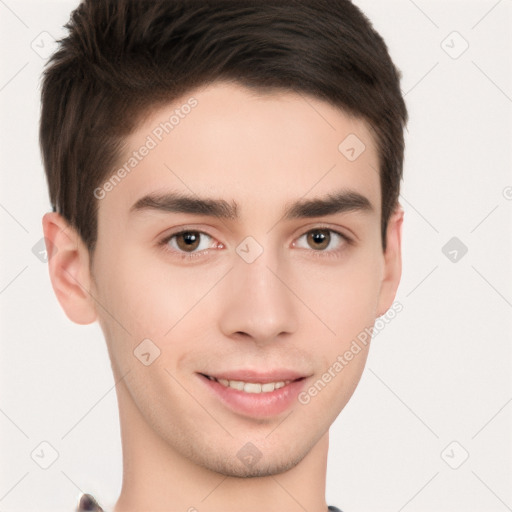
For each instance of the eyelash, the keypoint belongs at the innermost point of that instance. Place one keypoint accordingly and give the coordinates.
(315, 253)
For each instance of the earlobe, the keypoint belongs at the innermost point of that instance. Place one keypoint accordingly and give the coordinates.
(392, 261)
(68, 265)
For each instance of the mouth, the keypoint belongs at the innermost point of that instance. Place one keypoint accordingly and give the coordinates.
(252, 387)
(253, 394)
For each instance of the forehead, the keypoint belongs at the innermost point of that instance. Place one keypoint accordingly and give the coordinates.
(225, 140)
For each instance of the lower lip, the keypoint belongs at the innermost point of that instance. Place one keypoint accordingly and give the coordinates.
(258, 405)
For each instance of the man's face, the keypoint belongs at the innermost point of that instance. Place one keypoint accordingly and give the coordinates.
(257, 295)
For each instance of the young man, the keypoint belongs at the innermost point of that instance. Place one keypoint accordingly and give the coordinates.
(224, 178)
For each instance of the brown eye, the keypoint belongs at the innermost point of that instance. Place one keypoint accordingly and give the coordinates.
(319, 239)
(187, 241)
(190, 242)
(323, 240)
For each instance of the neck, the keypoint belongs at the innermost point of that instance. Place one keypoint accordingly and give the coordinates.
(158, 478)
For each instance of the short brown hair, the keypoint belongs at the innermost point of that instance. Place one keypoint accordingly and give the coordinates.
(123, 58)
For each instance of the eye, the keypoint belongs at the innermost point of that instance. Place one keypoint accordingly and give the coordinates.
(189, 242)
(321, 239)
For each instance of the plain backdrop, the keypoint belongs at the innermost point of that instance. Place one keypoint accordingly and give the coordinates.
(430, 426)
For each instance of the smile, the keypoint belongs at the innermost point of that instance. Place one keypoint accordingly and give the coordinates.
(251, 387)
(255, 394)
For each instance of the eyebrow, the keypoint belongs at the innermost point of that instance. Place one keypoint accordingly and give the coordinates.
(173, 202)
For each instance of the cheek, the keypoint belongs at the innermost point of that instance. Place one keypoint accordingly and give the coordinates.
(345, 295)
(153, 298)
(129, 298)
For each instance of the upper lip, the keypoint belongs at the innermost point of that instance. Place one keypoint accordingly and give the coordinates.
(256, 376)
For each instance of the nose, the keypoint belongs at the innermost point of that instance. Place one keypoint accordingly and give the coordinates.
(257, 302)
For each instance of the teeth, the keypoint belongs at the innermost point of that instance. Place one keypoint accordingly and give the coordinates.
(252, 387)
(237, 384)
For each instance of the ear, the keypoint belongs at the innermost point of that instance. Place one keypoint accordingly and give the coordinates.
(392, 261)
(68, 263)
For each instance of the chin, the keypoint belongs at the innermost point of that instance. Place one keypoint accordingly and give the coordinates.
(235, 467)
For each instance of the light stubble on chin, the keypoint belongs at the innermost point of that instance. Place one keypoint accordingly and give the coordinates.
(233, 467)
(272, 461)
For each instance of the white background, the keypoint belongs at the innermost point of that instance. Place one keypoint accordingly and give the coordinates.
(438, 376)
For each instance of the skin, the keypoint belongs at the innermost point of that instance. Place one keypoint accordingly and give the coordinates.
(294, 307)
